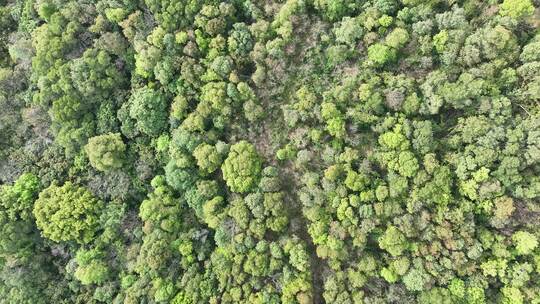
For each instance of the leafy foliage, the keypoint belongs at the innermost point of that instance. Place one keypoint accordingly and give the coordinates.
(326, 151)
(242, 167)
(67, 213)
(106, 152)
(148, 109)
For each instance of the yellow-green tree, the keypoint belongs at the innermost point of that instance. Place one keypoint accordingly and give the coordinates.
(242, 168)
(106, 152)
(67, 213)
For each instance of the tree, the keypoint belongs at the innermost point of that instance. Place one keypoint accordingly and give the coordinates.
(516, 8)
(106, 152)
(502, 211)
(242, 167)
(335, 9)
(511, 295)
(436, 295)
(393, 241)
(349, 31)
(240, 41)
(299, 257)
(397, 38)
(407, 164)
(335, 122)
(67, 213)
(91, 268)
(17, 236)
(416, 279)
(381, 54)
(148, 108)
(525, 242)
(208, 158)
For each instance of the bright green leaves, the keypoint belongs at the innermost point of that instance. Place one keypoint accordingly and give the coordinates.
(516, 8)
(394, 140)
(393, 241)
(381, 54)
(16, 201)
(397, 268)
(146, 60)
(494, 267)
(389, 275)
(91, 267)
(106, 152)
(387, 52)
(395, 152)
(17, 236)
(511, 295)
(164, 290)
(356, 181)
(397, 38)
(385, 20)
(407, 164)
(525, 242)
(67, 213)
(335, 122)
(212, 211)
(439, 41)
(242, 168)
(46, 9)
(208, 158)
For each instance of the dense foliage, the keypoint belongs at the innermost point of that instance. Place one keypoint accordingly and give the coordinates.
(67, 213)
(246, 151)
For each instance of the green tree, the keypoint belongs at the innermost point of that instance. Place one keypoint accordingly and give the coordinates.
(349, 31)
(148, 108)
(516, 8)
(397, 38)
(240, 41)
(18, 236)
(381, 54)
(242, 167)
(91, 267)
(511, 295)
(106, 152)
(335, 9)
(208, 158)
(416, 279)
(67, 213)
(393, 241)
(525, 242)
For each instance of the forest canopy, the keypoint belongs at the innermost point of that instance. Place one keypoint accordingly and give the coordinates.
(264, 152)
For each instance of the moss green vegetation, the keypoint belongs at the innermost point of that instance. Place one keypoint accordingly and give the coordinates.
(265, 152)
